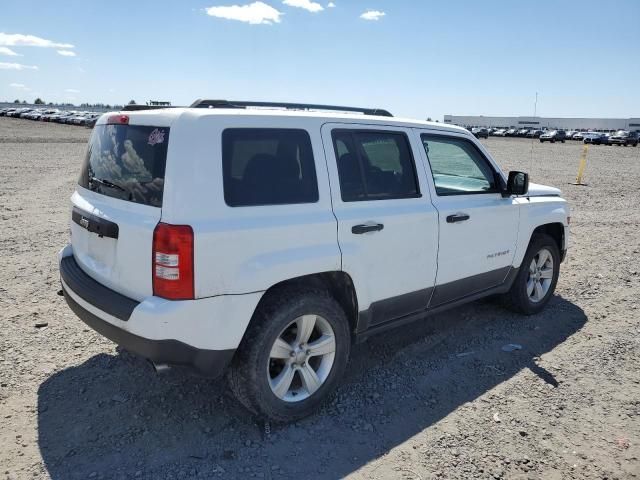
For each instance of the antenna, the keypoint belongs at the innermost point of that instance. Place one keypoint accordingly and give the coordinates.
(535, 112)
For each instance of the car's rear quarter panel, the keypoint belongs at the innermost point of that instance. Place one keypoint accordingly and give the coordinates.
(244, 249)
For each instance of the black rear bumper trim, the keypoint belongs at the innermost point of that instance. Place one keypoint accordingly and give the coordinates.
(208, 363)
(103, 298)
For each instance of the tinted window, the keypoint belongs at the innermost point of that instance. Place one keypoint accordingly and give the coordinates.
(268, 167)
(374, 165)
(457, 166)
(127, 162)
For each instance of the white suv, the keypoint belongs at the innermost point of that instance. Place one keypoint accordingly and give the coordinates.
(264, 241)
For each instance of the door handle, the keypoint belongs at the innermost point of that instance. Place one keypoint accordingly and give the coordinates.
(366, 228)
(458, 217)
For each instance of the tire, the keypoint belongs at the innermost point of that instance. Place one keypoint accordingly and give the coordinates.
(520, 298)
(553, 140)
(541, 141)
(276, 323)
(562, 141)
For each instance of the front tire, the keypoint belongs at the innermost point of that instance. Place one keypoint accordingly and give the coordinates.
(292, 356)
(537, 278)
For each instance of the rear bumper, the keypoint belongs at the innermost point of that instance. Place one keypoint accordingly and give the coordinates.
(198, 334)
(209, 363)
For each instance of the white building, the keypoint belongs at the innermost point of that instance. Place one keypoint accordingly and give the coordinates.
(597, 124)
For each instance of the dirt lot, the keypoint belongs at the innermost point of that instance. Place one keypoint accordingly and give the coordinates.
(434, 400)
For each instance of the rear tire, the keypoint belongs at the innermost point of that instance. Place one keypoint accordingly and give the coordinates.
(274, 374)
(537, 278)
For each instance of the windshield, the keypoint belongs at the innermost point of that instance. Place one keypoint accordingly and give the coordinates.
(127, 162)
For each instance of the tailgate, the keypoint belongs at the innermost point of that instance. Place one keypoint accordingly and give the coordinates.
(112, 241)
(117, 204)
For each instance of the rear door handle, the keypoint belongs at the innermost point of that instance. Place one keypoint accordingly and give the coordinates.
(366, 228)
(458, 217)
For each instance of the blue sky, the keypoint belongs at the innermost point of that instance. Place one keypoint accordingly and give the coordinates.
(416, 58)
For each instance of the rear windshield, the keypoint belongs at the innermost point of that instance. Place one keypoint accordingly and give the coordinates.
(127, 162)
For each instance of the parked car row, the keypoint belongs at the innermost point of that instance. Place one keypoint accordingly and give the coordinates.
(506, 132)
(621, 137)
(71, 117)
(553, 136)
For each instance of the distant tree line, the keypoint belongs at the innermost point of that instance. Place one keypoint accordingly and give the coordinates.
(39, 101)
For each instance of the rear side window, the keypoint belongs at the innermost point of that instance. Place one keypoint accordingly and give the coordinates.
(374, 165)
(268, 166)
(127, 162)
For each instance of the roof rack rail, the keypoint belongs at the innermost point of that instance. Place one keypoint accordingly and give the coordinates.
(291, 106)
(133, 108)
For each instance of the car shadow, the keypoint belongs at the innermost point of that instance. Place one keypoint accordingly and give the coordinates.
(110, 417)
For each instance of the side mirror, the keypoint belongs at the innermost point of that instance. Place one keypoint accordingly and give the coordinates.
(518, 183)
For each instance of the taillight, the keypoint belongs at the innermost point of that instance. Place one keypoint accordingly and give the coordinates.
(173, 262)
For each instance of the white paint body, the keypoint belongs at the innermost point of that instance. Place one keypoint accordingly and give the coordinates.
(240, 252)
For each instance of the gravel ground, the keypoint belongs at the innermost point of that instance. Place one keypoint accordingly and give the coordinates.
(439, 399)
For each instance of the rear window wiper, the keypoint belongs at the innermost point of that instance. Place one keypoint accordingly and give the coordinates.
(106, 183)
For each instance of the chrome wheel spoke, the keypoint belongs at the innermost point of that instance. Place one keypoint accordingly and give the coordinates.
(533, 266)
(543, 256)
(305, 324)
(281, 349)
(280, 385)
(530, 286)
(539, 291)
(547, 273)
(309, 378)
(322, 346)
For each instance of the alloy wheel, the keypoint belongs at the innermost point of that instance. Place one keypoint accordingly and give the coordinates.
(540, 275)
(301, 358)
